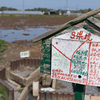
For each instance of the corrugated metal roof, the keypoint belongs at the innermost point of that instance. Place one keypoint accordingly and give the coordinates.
(21, 12)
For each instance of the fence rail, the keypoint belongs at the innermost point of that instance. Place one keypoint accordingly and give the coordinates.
(33, 62)
(55, 95)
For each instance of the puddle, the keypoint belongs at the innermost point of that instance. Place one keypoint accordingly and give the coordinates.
(11, 35)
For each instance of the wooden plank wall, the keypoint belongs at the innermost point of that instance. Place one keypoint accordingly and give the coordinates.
(2, 73)
(46, 51)
(32, 62)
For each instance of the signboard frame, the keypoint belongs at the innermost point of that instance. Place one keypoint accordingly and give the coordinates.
(80, 41)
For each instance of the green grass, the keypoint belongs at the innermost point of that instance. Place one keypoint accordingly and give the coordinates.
(30, 15)
(33, 15)
(4, 93)
(12, 15)
(56, 87)
(3, 46)
(37, 66)
(20, 91)
(1, 58)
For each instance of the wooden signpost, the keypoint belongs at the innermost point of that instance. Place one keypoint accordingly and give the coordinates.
(24, 54)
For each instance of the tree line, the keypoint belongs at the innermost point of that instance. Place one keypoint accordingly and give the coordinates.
(45, 10)
(81, 10)
(39, 9)
(8, 9)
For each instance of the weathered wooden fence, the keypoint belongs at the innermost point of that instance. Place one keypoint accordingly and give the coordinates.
(55, 95)
(2, 73)
(9, 89)
(33, 62)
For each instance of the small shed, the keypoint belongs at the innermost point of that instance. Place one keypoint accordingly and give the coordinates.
(78, 43)
(86, 21)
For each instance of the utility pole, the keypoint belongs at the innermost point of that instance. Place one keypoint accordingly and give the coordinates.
(23, 6)
(77, 7)
(66, 4)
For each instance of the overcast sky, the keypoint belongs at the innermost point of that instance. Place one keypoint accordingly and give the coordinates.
(55, 4)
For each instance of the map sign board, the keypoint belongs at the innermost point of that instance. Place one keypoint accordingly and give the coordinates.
(76, 57)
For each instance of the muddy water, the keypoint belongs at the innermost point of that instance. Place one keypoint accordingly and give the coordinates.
(11, 35)
(27, 28)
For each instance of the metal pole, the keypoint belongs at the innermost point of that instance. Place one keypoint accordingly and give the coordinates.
(66, 4)
(23, 6)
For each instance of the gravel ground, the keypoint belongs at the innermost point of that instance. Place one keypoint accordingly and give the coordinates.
(16, 93)
(68, 86)
(64, 86)
(92, 90)
(25, 72)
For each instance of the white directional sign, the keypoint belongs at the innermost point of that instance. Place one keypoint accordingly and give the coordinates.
(24, 54)
(76, 57)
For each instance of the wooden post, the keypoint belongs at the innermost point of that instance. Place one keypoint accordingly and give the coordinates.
(35, 88)
(80, 92)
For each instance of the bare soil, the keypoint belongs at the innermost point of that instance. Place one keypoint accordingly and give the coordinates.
(18, 23)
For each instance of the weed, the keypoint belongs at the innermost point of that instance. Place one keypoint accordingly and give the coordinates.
(1, 58)
(11, 15)
(30, 15)
(20, 91)
(37, 66)
(4, 93)
(56, 87)
(3, 46)
(6, 79)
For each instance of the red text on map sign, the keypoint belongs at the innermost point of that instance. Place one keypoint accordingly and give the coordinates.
(80, 36)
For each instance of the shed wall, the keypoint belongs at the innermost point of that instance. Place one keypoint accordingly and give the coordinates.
(46, 51)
